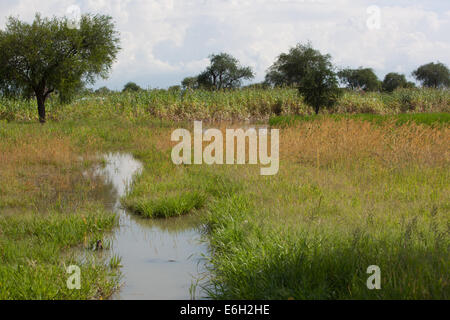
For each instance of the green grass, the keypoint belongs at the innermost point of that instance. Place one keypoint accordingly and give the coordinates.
(178, 191)
(168, 206)
(430, 119)
(254, 260)
(35, 251)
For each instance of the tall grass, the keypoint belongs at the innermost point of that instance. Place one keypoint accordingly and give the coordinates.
(236, 105)
(327, 142)
(348, 195)
(431, 119)
(36, 250)
(400, 101)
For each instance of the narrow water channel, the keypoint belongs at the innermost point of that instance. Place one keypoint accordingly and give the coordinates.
(161, 259)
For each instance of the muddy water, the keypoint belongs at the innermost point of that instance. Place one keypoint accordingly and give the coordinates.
(161, 259)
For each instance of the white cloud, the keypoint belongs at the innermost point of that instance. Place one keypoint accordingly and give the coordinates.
(166, 40)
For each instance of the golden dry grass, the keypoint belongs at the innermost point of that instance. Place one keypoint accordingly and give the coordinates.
(329, 141)
(41, 171)
(349, 194)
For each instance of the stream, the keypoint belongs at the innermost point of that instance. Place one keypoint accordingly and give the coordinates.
(160, 258)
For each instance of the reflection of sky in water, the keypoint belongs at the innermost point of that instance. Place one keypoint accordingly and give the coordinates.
(160, 258)
(119, 171)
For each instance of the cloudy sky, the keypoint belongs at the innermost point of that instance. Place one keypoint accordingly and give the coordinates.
(164, 41)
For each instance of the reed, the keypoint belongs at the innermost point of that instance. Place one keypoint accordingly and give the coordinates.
(236, 105)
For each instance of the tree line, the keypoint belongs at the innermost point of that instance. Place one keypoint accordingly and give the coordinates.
(314, 75)
(47, 56)
(291, 67)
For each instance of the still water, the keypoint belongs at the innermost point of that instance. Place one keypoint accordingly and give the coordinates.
(161, 258)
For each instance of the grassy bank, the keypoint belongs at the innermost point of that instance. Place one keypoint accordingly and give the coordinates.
(51, 216)
(37, 249)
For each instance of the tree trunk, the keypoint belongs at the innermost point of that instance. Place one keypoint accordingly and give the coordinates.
(316, 109)
(41, 107)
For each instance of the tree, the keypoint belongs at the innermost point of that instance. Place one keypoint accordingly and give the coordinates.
(224, 72)
(319, 85)
(394, 80)
(189, 83)
(67, 93)
(434, 75)
(131, 86)
(290, 68)
(47, 55)
(310, 71)
(276, 78)
(258, 85)
(175, 88)
(360, 79)
(103, 91)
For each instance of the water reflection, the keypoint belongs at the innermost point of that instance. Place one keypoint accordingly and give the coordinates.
(161, 258)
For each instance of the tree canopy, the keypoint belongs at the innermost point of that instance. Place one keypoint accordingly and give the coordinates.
(319, 85)
(224, 72)
(359, 79)
(310, 71)
(290, 68)
(103, 90)
(49, 56)
(190, 83)
(395, 80)
(434, 75)
(131, 86)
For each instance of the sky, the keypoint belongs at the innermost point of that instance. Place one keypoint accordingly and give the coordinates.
(164, 41)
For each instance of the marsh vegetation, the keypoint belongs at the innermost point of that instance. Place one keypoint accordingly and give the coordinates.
(352, 191)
